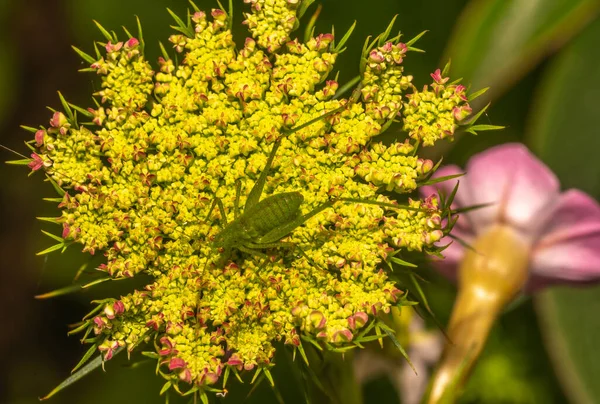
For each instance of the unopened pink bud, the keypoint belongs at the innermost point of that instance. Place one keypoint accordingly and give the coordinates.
(131, 43)
(176, 363)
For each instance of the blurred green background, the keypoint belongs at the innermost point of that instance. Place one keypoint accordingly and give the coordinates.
(540, 59)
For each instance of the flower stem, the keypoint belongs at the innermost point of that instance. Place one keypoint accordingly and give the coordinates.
(335, 373)
(490, 276)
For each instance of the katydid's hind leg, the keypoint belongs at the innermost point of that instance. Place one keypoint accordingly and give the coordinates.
(310, 260)
(236, 204)
(264, 246)
(259, 270)
(289, 245)
(265, 257)
(250, 251)
(257, 189)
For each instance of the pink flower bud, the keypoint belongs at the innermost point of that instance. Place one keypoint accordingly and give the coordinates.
(131, 43)
(376, 56)
(39, 137)
(110, 48)
(186, 376)
(59, 120)
(38, 162)
(341, 336)
(317, 320)
(176, 363)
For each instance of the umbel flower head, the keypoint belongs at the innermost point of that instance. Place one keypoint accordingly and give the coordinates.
(157, 178)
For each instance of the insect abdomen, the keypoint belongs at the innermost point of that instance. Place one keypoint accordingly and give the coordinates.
(273, 212)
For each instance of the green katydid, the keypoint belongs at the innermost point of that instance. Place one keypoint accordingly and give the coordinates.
(264, 223)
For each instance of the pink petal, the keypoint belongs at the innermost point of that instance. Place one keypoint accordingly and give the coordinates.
(574, 261)
(569, 250)
(574, 214)
(516, 180)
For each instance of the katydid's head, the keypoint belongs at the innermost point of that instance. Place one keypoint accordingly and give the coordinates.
(226, 239)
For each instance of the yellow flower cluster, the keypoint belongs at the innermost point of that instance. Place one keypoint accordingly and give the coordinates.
(163, 146)
(431, 115)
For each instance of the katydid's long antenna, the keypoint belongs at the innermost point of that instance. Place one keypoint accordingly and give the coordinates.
(14, 152)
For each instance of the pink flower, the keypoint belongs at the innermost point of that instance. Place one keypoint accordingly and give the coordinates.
(531, 236)
(559, 231)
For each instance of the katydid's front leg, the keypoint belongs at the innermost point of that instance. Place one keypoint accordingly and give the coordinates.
(219, 203)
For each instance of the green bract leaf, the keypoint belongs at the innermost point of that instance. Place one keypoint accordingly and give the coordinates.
(91, 366)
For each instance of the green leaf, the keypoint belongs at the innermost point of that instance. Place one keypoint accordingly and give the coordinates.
(269, 376)
(59, 292)
(386, 34)
(85, 357)
(564, 133)
(82, 111)
(165, 387)
(392, 336)
(164, 52)
(98, 361)
(53, 236)
(181, 26)
(497, 42)
(55, 220)
(304, 5)
(473, 129)
(414, 40)
(441, 179)
(96, 282)
(140, 34)
(23, 162)
(399, 261)
(87, 58)
(478, 93)
(339, 48)
(472, 207)
(51, 249)
(67, 109)
(109, 37)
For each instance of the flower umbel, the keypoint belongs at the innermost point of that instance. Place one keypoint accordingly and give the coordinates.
(163, 148)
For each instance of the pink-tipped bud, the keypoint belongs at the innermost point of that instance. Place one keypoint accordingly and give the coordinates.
(39, 137)
(60, 122)
(109, 312)
(341, 336)
(437, 77)
(131, 43)
(376, 56)
(110, 47)
(38, 162)
(461, 113)
(176, 363)
(317, 320)
(118, 307)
